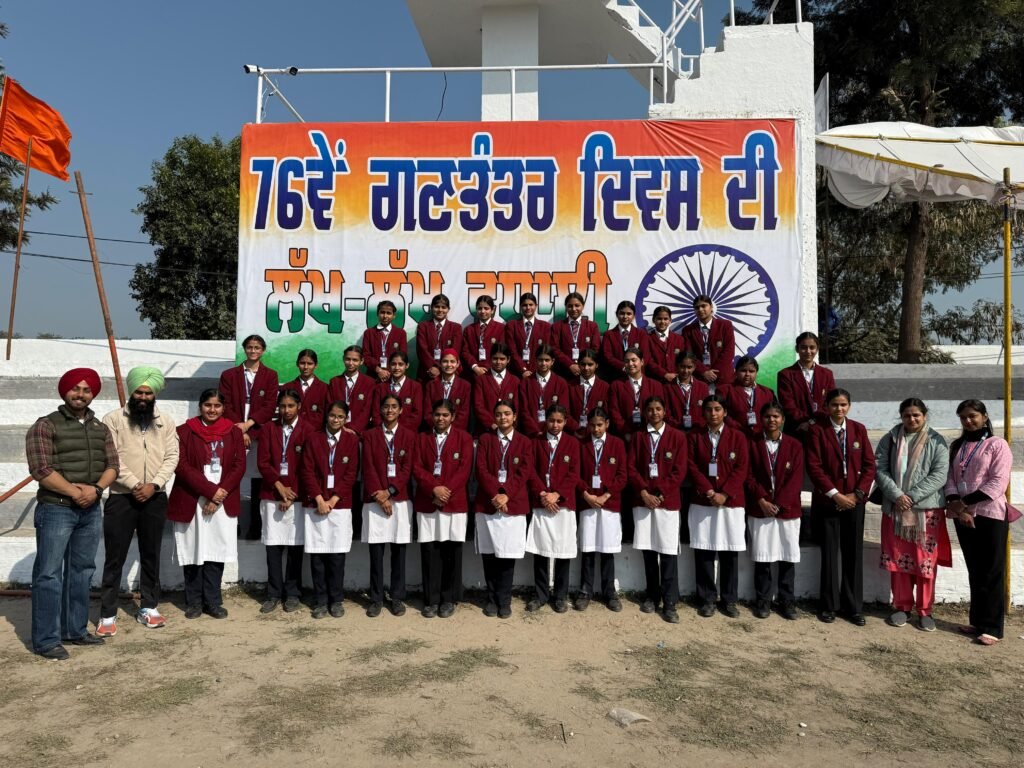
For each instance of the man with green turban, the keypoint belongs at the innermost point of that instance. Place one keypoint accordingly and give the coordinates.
(147, 444)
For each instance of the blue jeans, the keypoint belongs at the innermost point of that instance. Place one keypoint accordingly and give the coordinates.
(66, 542)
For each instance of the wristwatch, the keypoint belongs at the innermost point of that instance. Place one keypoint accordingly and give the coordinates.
(99, 489)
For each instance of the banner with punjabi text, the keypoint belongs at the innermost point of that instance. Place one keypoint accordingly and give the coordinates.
(336, 217)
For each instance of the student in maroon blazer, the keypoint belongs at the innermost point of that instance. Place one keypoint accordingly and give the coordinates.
(434, 335)
(479, 338)
(387, 513)
(745, 398)
(200, 439)
(572, 335)
(664, 346)
(622, 337)
(587, 392)
(773, 506)
(684, 395)
(841, 466)
(381, 340)
(498, 385)
(713, 340)
(443, 466)
(280, 463)
(628, 395)
(406, 389)
(802, 388)
(328, 477)
(250, 390)
(313, 391)
(657, 466)
(504, 466)
(718, 469)
(525, 334)
(603, 476)
(355, 389)
(449, 386)
(539, 392)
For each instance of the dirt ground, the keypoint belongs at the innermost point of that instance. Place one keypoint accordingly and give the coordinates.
(285, 689)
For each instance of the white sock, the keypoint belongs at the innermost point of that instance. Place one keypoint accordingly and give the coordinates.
(107, 621)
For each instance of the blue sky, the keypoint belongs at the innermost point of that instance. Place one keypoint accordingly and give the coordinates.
(129, 77)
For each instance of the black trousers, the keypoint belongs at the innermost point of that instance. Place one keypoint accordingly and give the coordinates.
(661, 573)
(377, 572)
(441, 560)
(124, 517)
(328, 572)
(202, 584)
(787, 582)
(542, 576)
(728, 575)
(841, 535)
(588, 563)
(984, 548)
(254, 529)
(499, 573)
(284, 571)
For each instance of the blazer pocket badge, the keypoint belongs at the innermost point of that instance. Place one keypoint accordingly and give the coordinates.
(455, 455)
(611, 459)
(668, 454)
(732, 455)
(565, 459)
(856, 445)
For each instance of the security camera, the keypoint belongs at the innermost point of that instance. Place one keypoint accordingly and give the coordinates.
(293, 71)
(250, 69)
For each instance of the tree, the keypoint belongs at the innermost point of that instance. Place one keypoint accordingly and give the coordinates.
(190, 213)
(935, 62)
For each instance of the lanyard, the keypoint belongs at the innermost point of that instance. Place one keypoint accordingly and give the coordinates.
(625, 338)
(438, 330)
(483, 332)
(714, 439)
(384, 336)
(506, 443)
(598, 452)
(552, 450)
(248, 385)
(706, 333)
(636, 392)
(687, 390)
(773, 459)
(350, 384)
(574, 331)
(396, 386)
(332, 442)
(447, 387)
(540, 396)
(528, 327)
(964, 464)
(841, 437)
(286, 438)
(439, 441)
(215, 447)
(586, 394)
(390, 444)
(655, 439)
(750, 399)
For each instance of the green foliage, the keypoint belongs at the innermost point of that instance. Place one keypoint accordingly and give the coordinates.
(190, 213)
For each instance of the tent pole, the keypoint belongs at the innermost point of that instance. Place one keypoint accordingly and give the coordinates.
(1008, 347)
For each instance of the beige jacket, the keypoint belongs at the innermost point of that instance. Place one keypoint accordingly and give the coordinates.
(146, 457)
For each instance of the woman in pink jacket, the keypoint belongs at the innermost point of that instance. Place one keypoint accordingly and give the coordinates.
(979, 473)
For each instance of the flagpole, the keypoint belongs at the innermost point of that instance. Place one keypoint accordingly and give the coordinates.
(99, 287)
(17, 250)
(1007, 351)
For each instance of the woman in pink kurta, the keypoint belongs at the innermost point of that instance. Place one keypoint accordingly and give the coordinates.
(979, 473)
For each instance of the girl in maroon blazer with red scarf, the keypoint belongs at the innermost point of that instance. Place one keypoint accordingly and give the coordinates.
(587, 392)
(540, 391)
(628, 395)
(449, 386)
(713, 340)
(745, 398)
(498, 385)
(773, 512)
(624, 336)
(525, 334)
(313, 391)
(433, 336)
(841, 465)
(572, 335)
(802, 388)
(479, 338)
(407, 390)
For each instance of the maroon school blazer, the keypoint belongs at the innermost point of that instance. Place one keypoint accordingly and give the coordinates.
(789, 477)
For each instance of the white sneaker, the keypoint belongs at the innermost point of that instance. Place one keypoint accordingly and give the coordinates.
(107, 627)
(150, 618)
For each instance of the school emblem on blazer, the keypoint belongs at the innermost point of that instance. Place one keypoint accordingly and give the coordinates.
(565, 459)
(458, 401)
(361, 396)
(554, 398)
(262, 392)
(732, 455)
(395, 345)
(718, 344)
(344, 459)
(455, 455)
(408, 401)
(668, 454)
(789, 465)
(856, 445)
(600, 403)
(314, 407)
(493, 340)
(700, 402)
(401, 451)
(515, 459)
(586, 339)
(298, 448)
(611, 459)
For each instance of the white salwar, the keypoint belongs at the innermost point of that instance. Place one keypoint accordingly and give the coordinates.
(552, 534)
(501, 535)
(327, 534)
(378, 528)
(441, 526)
(656, 530)
(212, 538)
(773, 540)
(282, 527)
(601, 531)
(717, 529)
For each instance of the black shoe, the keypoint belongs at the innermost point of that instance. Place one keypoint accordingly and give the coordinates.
(57, 653)
(582, 602)
(731, 611)
(504, 612)
(337, 610)
(397, 608)
(269, 605)
(706, 610)
(857, 619)
(614, 604)
(561, 606)
(490, 610)
(319, 611)
(429, 611)
(373, 610)
(789, 612)
(670, 614)
(446, 610)
(85, 639)
(761, 610)
(534, 605)
(292, 604)
(217, 612)
(827, 617)
(193, 611)
(648, 606)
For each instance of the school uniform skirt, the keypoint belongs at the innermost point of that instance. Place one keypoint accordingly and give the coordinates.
(207, 538)
(552, 534)
(773, 540)
(327, 534)
(718, 529)
(656, 530)
(601, 531)
(441, 526)
(283, 527)
(378, 528)
(501, 535)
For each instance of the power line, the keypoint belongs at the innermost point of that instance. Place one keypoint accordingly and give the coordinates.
(120, 264)
(83, 237)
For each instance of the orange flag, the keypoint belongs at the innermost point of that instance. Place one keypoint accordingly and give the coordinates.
(23, 116)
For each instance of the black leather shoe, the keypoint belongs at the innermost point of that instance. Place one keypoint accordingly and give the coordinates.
(561, 606)
(827, 617)
(85, 639)
(193, 611)
(731, 611)
(648, 606)
(857, 619)
(582, 602)
(534, 605)
(504, 612)
(373, 610)
(670, 614)
(319, 612)
(789, 612)
(614, 604)
(490, 610)
(292, 604)
(337, 610)
(397, 608)
(761, 610)
(269, 605)
(446, 610)
(57, 653)
(429, 611)
(218, 612)
(706, 610)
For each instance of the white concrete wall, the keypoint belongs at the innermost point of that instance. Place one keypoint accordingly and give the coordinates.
(511, 36)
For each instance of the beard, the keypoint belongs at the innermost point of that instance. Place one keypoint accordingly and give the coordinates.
(140, 412)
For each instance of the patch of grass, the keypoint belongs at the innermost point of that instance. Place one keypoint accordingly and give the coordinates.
(531, 721)
(165, 695)
(400, 745)
(265, 651)
(381, 651)
(582, 668)
(589, 692)
(44, 749)
(279, 717)
(452, 668)
(304, 631)
(160, 644)
(11, 692)
(450, 745)
(743, 626)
